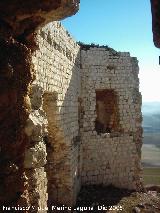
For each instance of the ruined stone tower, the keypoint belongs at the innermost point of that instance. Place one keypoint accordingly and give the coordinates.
(70, 113)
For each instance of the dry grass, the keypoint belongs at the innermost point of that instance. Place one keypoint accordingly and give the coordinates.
(151, 176)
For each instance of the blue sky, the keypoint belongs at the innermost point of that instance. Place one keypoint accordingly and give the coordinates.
(124, 25)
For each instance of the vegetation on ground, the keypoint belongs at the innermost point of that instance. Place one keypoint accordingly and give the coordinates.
(151, 176)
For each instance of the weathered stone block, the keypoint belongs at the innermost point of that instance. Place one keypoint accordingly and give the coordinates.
(35, 157)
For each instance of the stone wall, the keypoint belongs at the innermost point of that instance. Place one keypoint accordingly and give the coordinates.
(112, 156)
(57, 65)
(85, 123)
(35, 153)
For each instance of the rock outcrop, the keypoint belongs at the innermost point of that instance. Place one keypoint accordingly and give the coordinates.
(18, 21)
(23, 17)
(155, 8)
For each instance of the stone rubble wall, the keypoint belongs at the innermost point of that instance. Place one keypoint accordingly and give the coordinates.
(57, 65)
(35, 153)
(66, 151)
(111, 158)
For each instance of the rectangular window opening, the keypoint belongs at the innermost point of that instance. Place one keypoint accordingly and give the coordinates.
(107, 120)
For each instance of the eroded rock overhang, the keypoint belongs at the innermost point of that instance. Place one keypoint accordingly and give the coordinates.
(23, 17)
(155, 9)
(19, 19)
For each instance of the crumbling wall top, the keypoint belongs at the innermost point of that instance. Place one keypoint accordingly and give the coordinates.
(97, 47)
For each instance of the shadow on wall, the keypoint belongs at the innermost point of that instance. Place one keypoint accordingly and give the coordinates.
(107, 120)
(62, 108)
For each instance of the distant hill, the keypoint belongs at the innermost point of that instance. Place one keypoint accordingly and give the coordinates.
(151, 122)
(151, 117)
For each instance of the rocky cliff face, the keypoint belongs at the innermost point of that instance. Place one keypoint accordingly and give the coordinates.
(155, 9)
(16, 72)
(18, 21)
(23, 17)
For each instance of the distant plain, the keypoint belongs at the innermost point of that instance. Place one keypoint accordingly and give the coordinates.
(151, 143)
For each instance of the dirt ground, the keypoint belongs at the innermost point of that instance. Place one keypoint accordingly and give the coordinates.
(110, 199)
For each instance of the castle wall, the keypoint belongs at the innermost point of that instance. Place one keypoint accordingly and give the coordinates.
(111, 156)
(58, 76)
(86, 111)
